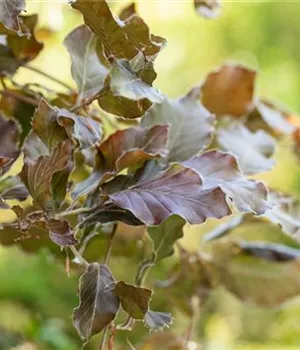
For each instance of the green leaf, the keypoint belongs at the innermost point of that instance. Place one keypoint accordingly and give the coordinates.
(252, 150)
(89, 67)
(98, 303)
(229, 91)
(208, 8)
(165, 235)
(191, 125)
(134, 300)
(176, 191)
(9, 13)
(221, 169)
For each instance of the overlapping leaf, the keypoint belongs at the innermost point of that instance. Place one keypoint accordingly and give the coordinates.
(98, 303)
(229, 91)
(9, 13)
(89, 67)
(127, 93)
(165, 235)
(191, 125)
(157, 320)
(61, 233)
(134, 300)
(176, 191)
(208, 8)
(221, 169)
(253, 150)
(128, 148)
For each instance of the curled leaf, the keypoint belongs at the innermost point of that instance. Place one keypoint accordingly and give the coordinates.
(9, 13)
(12, 188)
(98, 303)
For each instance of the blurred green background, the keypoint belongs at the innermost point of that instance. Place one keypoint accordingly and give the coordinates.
(37, 296)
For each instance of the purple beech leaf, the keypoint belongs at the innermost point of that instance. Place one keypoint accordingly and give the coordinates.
(89, 68)
(134, 300)
(9, 139)
(128, 11)
(252, 150)
(37, 174)
(9, 13)
(176, 191)
(98, 303)
(208, 8)
(221, 169)
(8, 64)
(126, 93)
(165, 235)
(112, 213)
(3, 205)
(12, 188)
(157, 320)
(61, 233)
(85, 130)
(191, 125)
(128, 148)
(245, 272)
(229, 91)
(4, 162)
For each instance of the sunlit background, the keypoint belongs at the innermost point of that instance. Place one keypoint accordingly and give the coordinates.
(37, 297)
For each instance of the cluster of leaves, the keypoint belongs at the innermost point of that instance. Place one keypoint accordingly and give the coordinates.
(177, 161)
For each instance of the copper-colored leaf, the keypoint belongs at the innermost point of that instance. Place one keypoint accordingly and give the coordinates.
(229, 91)
(252, 150)
(98, 303)
(208, 8)
(134, 300)
(9, 13)
(191, 125)
(177, 191)
(221, 169)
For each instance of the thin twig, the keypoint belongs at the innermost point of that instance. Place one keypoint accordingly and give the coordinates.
(17, 96)
(127, 326)
(74, 212)
(103, 340)
(80, 258)
(58, 81)
(87, 102)
(110, 244)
